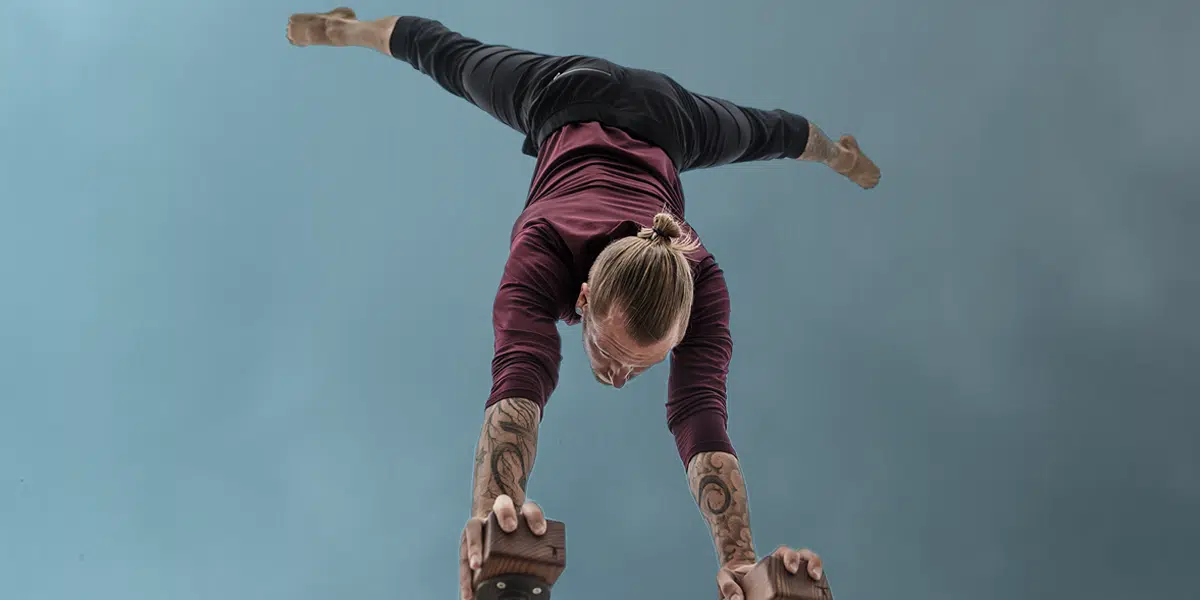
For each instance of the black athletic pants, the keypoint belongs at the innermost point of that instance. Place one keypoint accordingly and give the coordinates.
(536, 94)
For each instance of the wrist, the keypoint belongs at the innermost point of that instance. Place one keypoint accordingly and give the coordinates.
(739, 557)
(484, 501)
(734, 564)
(477, 512)
(482, 505)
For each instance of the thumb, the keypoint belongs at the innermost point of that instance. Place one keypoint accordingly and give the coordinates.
(728, 585)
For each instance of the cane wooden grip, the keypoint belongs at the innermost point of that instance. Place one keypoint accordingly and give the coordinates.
(770, 580)
(522, 553)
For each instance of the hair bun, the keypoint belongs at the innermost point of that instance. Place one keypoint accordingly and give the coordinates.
(666, 226)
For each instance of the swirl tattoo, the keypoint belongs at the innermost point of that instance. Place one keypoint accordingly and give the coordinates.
(716, 482)
(717, 488)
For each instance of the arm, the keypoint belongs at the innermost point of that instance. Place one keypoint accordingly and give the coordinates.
(696, 415)
(505, 454)
(524, 367)
(715, 479)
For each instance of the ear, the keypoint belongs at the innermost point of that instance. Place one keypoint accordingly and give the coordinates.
(582, 300)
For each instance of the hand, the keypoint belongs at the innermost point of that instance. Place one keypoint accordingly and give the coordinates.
(470, 556)
(729, 578)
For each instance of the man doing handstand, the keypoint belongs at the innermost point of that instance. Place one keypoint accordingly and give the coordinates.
(602, 242)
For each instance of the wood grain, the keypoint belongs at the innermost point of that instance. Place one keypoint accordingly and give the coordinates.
(770, 580)
(522, 553)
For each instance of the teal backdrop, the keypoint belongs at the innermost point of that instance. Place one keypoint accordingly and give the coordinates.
(245, 295)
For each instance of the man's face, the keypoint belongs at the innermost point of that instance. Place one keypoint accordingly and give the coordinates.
(615, 357)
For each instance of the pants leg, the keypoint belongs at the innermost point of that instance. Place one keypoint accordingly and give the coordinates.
(710, 131)
(505, 82)
(695, 130)
(536, 94)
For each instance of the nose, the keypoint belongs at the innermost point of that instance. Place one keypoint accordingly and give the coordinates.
(618, 377)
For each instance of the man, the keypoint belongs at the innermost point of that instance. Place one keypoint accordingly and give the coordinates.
(602, 242)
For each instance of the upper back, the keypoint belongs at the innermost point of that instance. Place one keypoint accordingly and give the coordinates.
(595, 184)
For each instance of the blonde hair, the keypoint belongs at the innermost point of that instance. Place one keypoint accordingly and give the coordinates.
(647, 278)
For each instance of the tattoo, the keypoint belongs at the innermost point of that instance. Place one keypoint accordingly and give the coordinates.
(508, 463)
(714, 484)
(819, 147)
(506, 451)
(717, 485)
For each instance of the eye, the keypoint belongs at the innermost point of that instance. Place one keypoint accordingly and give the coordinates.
(600, 351)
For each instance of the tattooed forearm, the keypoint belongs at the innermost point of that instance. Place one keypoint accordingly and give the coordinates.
(720, 492)
(504, 457)
(819, 147)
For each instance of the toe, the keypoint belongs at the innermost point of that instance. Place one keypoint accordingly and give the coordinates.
(296, 36)
(306, 29)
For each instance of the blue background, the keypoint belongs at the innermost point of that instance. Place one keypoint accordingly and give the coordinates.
(245, 296)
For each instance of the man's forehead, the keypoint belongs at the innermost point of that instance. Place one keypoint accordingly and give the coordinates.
(612, 335)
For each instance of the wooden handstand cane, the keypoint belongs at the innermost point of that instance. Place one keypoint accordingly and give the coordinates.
(520, 565)
(770, 580)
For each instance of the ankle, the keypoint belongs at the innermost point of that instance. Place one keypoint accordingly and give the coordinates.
(352, 32)
(382, 34)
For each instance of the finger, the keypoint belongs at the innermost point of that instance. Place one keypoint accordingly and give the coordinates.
(791, 559)
(813, 561)
(535, 517)
(465, 573)
(728, 586)
(506, 513)
(465, 579)
(473, 543)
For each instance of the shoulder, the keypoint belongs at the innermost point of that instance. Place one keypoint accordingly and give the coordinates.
(709, 320)
(707, 275)
(537, 272)
(535, 238)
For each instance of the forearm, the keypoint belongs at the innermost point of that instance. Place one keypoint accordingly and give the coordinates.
(715, 479)
(505, 454)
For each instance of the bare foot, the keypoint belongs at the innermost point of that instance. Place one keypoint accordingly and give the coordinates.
(857, 167)
(319, 29)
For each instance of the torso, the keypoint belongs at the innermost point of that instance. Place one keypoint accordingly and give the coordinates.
(595, 184)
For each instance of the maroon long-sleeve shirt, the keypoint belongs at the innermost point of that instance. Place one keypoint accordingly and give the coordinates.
(594, 184)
